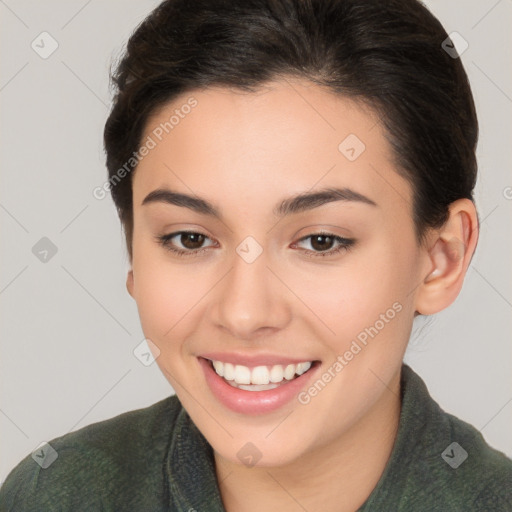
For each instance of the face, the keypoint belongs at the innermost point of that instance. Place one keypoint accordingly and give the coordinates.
(262, 279)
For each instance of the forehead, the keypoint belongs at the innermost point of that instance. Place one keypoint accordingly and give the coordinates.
(285, 138)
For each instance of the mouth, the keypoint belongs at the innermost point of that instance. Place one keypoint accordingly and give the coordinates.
(256, 389)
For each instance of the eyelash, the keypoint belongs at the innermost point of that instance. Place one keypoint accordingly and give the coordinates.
(345, 244)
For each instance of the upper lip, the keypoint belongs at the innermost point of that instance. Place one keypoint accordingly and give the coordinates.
(252, 360)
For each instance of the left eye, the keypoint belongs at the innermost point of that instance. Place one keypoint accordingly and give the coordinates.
(322, 243)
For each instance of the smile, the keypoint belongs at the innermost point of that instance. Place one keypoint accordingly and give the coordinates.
(256, 388)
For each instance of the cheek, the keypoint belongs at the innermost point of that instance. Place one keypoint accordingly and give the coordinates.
(350, 297)
(167, 297)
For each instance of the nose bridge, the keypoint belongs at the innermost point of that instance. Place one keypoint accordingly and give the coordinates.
(249, 297)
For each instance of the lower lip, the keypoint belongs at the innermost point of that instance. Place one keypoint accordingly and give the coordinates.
(254, 402)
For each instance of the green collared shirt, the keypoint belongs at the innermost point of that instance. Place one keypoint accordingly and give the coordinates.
(155, 459)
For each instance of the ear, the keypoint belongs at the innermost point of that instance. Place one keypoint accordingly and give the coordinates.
(129, 282)
(449, 254)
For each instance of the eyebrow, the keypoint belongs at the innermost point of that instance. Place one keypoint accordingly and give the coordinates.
(292, 205)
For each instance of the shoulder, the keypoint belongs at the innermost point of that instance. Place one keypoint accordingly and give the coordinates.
(445, 462)
(117, 461)
(475, 469)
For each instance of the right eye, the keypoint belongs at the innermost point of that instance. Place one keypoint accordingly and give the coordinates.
(191, 242)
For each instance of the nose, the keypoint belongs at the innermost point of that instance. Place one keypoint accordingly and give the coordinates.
(250, 301)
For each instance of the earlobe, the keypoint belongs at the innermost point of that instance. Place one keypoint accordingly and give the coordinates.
(448, 257)
(129, 282)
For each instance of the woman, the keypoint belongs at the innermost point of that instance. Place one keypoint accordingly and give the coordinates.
(295, 182)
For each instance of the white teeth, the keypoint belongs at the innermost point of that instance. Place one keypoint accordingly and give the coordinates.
(303, 368)
(219, 368)
(229, 371)
(289, 372)
(259, 377)
(253, 387)
(242, 374)
(276, 373)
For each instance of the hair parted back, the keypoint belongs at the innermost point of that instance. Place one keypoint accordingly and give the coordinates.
(387, 54)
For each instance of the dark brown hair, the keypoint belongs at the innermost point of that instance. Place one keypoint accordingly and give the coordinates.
(388, 54)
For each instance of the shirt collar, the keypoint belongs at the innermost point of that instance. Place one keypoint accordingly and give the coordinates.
(191, 469)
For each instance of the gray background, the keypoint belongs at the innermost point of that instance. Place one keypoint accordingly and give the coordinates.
(69, 327)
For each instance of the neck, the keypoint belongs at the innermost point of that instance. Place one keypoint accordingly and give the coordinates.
(338, 476)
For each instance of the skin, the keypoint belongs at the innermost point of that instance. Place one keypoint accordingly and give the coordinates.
(245, 153)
